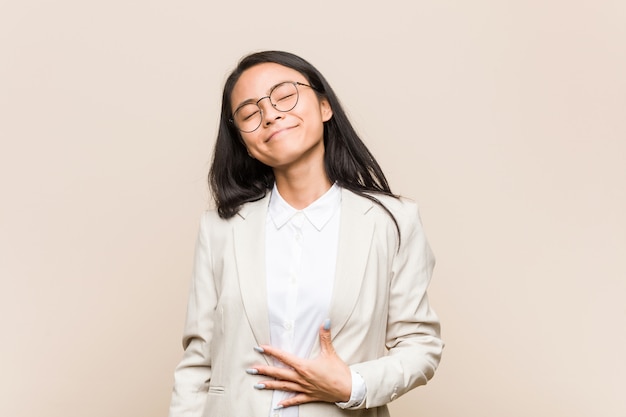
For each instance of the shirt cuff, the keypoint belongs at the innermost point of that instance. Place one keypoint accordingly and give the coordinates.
(359, 390)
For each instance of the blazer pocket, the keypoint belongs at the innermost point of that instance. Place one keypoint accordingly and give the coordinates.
(217, 390)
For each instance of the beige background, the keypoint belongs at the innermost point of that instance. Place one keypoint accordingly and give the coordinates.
(504, 119)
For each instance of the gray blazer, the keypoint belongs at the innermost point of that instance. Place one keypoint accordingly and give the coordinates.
(382, 324)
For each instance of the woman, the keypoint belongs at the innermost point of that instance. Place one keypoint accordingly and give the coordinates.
(309, 290)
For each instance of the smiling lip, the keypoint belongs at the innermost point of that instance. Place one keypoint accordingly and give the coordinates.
(277, 132)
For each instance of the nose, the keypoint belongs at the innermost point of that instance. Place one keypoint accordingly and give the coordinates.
(268, 112)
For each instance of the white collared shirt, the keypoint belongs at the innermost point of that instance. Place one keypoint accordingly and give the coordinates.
(301, 254)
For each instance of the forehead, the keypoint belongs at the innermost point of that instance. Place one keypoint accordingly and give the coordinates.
(256, 81)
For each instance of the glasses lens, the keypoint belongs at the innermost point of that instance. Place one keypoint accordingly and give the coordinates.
(247, 118)
(284, 96)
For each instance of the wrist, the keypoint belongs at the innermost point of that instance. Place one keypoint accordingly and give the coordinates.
(357, 394)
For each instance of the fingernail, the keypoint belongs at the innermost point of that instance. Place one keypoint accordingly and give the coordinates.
(252, 371)
(259, 349)
(259, 386)
(278, 407)
(327, 324)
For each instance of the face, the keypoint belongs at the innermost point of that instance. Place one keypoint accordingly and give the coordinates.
(284, 139)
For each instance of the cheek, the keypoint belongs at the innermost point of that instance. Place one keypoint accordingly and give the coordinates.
(248, 141)
(314, 119)
(318, 126)
(249, 147)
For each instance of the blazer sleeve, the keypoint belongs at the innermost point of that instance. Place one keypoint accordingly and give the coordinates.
(193, 373)
(413, 331)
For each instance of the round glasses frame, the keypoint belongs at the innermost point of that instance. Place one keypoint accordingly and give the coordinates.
(274, 105)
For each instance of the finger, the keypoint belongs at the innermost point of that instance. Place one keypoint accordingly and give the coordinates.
(286, 386)
(285, 357)
(326, 345)
(286, 374)
(297, 400)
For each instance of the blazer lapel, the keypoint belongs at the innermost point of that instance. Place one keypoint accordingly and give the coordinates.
(249, 238)
(355, 238)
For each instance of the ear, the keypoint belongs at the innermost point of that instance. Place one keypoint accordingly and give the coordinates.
(326, 110)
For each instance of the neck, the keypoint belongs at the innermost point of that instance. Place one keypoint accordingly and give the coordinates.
(302, 188)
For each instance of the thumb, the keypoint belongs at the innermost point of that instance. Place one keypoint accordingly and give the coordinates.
(325, 343)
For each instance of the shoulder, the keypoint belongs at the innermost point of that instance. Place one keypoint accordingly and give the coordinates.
(212, 226)
(405, 212)
(211, 218)
(400, 207)
(396, 217)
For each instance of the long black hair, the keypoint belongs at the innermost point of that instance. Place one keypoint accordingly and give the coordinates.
(235, 178)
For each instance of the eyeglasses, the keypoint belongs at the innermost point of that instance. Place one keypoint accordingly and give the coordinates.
(283, 97)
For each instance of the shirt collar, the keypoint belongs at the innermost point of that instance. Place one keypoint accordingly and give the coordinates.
(317, 213)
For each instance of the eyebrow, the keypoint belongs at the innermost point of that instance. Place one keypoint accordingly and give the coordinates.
(255, 101)
(243, 103)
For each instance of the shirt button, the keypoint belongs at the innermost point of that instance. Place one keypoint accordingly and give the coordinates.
(288, 325)
(275, 415)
